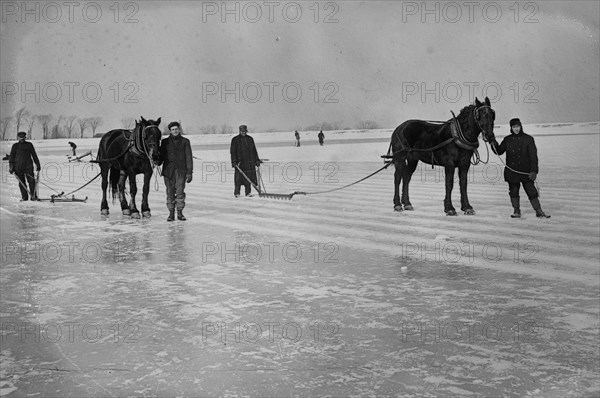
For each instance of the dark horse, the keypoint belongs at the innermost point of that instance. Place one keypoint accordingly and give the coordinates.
(450, 144)
(124, 154)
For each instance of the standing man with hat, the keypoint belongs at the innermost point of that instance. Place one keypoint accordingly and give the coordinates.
(176, 154)
(22, 157)
(244, 157)
(521, 167)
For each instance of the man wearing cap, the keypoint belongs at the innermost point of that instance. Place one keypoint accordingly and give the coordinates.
(244, 157)
(521, 167)
(176, 154)
(20, 162)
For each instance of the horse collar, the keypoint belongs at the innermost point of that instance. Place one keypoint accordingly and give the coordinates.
(459, 138)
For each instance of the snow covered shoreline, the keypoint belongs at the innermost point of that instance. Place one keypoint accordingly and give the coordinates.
(311, 136)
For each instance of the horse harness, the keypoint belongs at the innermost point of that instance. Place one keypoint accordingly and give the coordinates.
(136, 144)
(458, 138)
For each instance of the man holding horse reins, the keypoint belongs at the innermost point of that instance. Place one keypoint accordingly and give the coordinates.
(176, 156)
(21, 165)
(521, 167)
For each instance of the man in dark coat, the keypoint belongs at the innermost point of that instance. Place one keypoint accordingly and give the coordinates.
(297, 135)
(176, 156)
(521, 167)
(245, 157)
(22, 157)
(321, 137)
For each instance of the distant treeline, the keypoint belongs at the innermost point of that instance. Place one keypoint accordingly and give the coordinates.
(81, 127)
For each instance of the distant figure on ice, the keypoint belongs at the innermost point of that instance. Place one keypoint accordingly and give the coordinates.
(297, 138)
(244, 159)
(73, 149)
(73, 156)
(521, 167)
(20, 163)
(321, 137)
(176, 153)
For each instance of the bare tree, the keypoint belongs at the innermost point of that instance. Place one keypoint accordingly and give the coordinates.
(4, 123)
(94, 123)
(209, 129)
(336, 125)
(128, 123)
(367, 125)
(70, 125)
(55, 130)
(322, 126)
(45, 121)
(30, 122)
(226, 129)
(83, 123)
(326, 126)
(20, 117)
(312, 127)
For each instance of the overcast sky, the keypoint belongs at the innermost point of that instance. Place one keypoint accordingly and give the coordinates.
(285, 65)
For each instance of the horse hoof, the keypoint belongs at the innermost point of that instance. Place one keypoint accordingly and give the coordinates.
(146, 214)
(451, 213)
(126, 212)
(409, 207)
(104, 212)
(135, 215)
(470, 212)
(398, 208)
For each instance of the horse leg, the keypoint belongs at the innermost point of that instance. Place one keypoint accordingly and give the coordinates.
(399, 170)
(132, 192)
(465, 206)
(104, 175)
(448, 208)
(410, 168)
(145, 192)
(122, 199)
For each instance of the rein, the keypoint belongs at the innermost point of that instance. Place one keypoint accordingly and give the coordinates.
(387, 164)
(139, 140)
(111, 159)
(289, 196)
(60, 194)
(138, 146)
(537, 186)
(458, 138)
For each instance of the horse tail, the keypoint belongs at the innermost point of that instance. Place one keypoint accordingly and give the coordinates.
(114, 175)
(397, 148)
(100, 154)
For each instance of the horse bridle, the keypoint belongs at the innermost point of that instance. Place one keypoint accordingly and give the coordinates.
(476, 117)
(141, 148)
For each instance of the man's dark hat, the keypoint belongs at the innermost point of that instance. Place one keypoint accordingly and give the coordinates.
(515, 122)
(243, 127)
(173, 124)
(21, 134)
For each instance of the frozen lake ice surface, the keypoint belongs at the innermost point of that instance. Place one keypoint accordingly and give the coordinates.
(331, 294)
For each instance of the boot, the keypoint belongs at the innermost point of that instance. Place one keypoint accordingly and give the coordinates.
(180, 215)
(535, 203)
(516, 206)
(171, 215)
